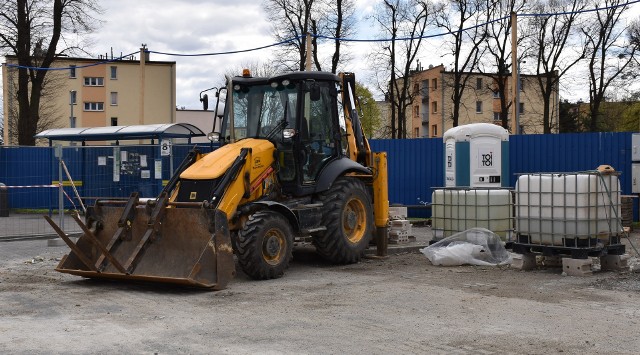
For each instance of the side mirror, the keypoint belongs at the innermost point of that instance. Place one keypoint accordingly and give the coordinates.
(315, 93)
(213, 136)
(205, 101)
(288, 134)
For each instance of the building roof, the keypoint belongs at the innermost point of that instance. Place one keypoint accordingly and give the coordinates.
(102, 59)
(112, 133)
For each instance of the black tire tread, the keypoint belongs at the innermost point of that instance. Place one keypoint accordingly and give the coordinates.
(332, 245)
(249, 245)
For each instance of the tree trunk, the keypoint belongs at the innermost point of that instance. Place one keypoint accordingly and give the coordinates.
(546, 109)
(335, 59)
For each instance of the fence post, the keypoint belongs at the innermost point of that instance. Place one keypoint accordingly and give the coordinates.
(58, 154)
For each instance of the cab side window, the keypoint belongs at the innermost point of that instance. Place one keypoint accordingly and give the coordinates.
(317, 141)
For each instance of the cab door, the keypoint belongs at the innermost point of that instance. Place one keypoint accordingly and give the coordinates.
(317, 124)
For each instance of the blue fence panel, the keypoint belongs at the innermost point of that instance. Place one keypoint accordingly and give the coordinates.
(27, 166)
(416, 166)
(570, 153)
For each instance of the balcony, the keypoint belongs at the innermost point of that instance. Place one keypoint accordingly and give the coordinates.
(425, 119)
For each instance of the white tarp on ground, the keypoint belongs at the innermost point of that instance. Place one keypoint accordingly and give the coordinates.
(475, 246)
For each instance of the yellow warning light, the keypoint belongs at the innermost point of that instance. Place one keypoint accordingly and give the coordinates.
(246, 73)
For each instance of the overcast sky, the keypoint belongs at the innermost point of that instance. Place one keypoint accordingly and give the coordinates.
(194, 26)
(206, 26)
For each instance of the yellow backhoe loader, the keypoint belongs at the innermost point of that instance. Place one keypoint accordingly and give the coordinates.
(294, 164)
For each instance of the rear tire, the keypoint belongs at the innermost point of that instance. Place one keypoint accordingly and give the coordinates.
(264, 245)
(347, 214)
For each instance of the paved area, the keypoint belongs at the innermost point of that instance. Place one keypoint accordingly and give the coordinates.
(20, 226)
(398, 305)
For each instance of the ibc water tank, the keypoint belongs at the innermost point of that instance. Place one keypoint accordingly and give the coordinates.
(476, 155)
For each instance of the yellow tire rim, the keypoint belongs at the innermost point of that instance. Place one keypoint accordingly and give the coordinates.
(273, 247)
(354, 220)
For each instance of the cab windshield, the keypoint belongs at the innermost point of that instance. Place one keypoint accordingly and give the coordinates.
(262, 111)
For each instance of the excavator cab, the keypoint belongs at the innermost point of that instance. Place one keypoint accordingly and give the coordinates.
(293, 165)
(299, 114)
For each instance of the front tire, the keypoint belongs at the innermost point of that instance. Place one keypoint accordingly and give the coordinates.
(264, 245)
(347, 214)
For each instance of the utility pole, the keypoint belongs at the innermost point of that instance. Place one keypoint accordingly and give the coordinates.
(514, 71)
(307, 65)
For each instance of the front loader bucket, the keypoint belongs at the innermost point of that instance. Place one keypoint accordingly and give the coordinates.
(184, 246)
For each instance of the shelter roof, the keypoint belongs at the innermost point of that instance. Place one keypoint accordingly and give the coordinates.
(111, 133)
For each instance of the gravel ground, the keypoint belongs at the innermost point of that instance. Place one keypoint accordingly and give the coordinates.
(400, 305)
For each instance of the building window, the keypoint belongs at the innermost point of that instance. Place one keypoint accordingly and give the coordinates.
(94, 106)
(434, 131)
(434, 84)
(416, 89)
(479, 83)
(93, 81)
(114, 73)
(496, 116)
(521, 108)
(521, 84)
(72, 97)
(434, 107)
(114, 121)
(416, 133)
(478, 106)
(72, 71)
(496, 94)
(72, 122)
(114, 99)
(416, 111)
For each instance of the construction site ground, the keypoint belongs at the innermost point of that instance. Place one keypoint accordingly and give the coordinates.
(398, 305)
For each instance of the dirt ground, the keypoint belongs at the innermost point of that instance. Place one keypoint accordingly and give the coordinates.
(400, 305)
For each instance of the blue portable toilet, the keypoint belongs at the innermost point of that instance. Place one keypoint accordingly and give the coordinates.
(476, 155)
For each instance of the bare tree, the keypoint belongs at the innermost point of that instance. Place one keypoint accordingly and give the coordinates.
(49, 112)
(466, 21)
(498, 48)
(32, 30)
(404, 23)
(552, 47)
(338, 21)
(323, 19)
(609, 54)
(292, 20)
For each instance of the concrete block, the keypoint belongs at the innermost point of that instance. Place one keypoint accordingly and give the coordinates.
(398, 239)
(614, 262)
(523, 261)
(551, 261)
(400, 223)
(398, 233)
(577, 267)
(397, 213)
(399, 229)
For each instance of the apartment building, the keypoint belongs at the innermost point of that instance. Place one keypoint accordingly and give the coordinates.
(432, 105)
(97, 92)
